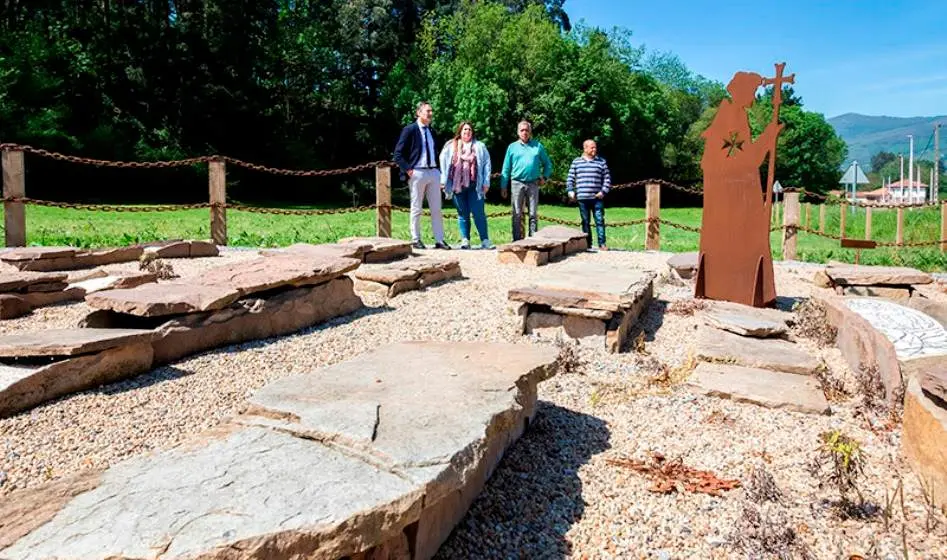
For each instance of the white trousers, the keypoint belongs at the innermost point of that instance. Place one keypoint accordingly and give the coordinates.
(426, 183)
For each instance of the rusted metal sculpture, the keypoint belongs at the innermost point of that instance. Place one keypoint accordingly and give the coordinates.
(735, 263)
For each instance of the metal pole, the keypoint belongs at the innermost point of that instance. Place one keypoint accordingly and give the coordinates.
(911, 167)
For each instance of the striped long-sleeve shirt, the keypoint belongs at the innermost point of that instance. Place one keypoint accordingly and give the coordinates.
(588, 177)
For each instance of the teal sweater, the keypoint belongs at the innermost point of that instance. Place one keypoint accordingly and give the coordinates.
(525, 163)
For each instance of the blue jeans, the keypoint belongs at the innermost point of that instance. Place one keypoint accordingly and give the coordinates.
(597, 207)
(467, 201)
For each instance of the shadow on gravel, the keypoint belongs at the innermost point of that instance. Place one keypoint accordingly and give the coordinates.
(651, 320)
(535, 494)
(153, 377)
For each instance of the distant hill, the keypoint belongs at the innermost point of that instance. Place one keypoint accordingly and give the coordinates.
(867, 135)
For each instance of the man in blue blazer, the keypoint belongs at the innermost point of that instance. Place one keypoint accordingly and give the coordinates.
(416, 156)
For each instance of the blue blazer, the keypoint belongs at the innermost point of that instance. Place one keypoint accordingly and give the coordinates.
(408, 149)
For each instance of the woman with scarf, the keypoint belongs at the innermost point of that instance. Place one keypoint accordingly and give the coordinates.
(465, 178)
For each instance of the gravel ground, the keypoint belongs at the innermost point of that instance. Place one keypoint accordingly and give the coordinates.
(555, 494)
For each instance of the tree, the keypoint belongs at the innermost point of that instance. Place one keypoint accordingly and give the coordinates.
(880, 159)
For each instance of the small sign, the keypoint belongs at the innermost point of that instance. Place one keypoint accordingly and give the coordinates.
(777, 188)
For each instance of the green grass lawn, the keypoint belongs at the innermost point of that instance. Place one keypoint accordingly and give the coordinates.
(80, 228)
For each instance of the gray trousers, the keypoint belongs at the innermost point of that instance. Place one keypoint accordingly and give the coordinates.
(523, 193)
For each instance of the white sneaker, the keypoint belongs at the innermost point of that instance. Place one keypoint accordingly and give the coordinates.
(465, 244)
(487, 244)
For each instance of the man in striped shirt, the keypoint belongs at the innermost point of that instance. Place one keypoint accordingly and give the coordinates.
(589, 181)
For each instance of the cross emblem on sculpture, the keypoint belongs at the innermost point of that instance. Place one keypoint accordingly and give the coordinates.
(733, 143)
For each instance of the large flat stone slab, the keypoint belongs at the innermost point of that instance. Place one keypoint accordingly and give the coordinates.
(25, 386)
(765, 353)
(254, 319)
(585, 285)
(913, 333)
(383, 249)
(770, 389)
(747, 321)
(860, 275)
(181, 249)
(118, 280)
(595, 304)
(20, 281)
(353, 250)
(405, 275)
(68, 258)
(168, 298)
(389, 447)
(69, 342)
(268, 273)
(574, 240)
(924, 440)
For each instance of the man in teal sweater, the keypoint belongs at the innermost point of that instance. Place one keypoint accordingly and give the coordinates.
(526, 166)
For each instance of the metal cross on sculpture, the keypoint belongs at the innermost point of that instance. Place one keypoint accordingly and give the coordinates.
(735, 263)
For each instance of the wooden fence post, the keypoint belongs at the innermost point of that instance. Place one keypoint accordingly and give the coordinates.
(14, 186)
(841, 220)
(867, 222)
(790, 223)
(900, 231)
(943, 227)
(653, 209)
(217, 183)
(822, 218)
(383, 201)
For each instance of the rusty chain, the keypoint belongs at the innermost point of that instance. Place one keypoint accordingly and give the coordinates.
(311, 173)
(291, 212)
(108, 207)
(104, 163)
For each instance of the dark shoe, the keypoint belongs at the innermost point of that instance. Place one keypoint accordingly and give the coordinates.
(442, 245)
(418, 245)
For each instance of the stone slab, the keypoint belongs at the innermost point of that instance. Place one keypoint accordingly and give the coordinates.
(47, 287)
(765, 353)
(924, 440)
(23, 387)
(861, 275)
(71, 259)
(529, 244)
(181, 249)
(426, 270)
(21, 280)
(913, 333)
(69, 342)
(747, 322)
(388, 447)
(353, 250)
(864, 346)
(685, 264)
(167, 298)
(531, 257)
(43, 299)
(585, 285)
(383, 249)
(13, 306)
(770, 389)
(253, 319)
(268, 273)
(83, 275)
(35, 253)
(562, 233)
(115, 281)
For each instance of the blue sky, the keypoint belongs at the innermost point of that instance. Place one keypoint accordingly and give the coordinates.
(868, 56)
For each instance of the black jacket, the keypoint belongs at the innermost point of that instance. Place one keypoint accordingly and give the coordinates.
(408, 149)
